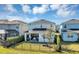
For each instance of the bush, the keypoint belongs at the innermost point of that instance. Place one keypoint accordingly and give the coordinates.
(55, 39)
(58, 44)
(15, 40)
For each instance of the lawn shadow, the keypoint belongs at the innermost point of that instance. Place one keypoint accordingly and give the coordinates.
(69, 50)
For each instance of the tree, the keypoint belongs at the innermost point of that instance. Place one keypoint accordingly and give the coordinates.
(48, 34)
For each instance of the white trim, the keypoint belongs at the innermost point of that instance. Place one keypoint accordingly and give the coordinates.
(25, 35)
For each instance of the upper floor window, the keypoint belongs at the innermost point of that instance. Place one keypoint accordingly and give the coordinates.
(17, 27)
(51, 25)
(29, 24)
(65, 26)
(41, 26)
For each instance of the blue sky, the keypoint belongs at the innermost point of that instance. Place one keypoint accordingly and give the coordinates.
(57, 13)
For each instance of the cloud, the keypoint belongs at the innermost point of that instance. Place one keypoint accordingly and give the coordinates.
(41, 10)
(26, 8)
(14, 18)
(55, 6)
(10, 8)
(64, 10)
(63, 13)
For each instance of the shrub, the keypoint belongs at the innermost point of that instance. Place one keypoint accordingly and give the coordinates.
(15, 40)
(58, 44)
(55, 39)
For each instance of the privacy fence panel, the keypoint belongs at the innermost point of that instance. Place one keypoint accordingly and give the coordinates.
(35, 45)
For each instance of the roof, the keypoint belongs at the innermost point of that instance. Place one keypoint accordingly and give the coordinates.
(11, 22)
(71, 21)
(42, 21)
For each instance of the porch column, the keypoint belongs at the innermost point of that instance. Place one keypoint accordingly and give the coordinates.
(30, 37)
(40, 38)
(25, 37)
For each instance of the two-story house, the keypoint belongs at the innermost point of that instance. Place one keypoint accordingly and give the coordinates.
(14, 27)
(37, 29)
(70, 30)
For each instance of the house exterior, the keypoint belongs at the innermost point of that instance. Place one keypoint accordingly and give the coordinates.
(14, 27)
(70, 30)
(37, 29)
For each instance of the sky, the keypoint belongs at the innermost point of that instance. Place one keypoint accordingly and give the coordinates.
(57, 13)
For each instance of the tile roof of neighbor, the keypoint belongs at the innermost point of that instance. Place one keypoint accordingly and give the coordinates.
(42, 21)
(71, 21)
(10, 22)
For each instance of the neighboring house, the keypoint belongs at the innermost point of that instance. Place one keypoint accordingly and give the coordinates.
(14, 27)
(70, 30)
(37, 29)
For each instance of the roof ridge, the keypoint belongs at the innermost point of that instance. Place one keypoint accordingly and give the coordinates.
(41, 20)
(71, 20)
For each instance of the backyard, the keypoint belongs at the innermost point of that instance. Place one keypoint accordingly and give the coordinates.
(19, 46)
(31, 48)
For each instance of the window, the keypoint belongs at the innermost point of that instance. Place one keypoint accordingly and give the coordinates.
(29, 24)
(65, 26)
(17, 27)
(70, 34)
(51, 25)
(41, 26)
(64, 30)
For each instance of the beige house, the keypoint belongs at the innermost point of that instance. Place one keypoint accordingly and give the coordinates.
(37, 29)
(14, 27)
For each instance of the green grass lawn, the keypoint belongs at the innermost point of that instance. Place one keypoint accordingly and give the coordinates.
(26, 48)
(31, 48)
(71, 46)
(15, 51)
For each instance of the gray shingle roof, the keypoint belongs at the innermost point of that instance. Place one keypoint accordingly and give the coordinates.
(42, 21)
(11, 22)
(71, 21)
